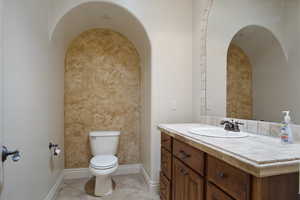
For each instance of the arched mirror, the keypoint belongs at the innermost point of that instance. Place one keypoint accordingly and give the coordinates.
(258, 82)
(252, 63)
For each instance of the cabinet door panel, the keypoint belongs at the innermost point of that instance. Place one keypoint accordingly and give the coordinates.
(213, 193)
(165, 188)
(166, 141)
(178, 179)
(166, 163)
(187, 185)
(194, 186)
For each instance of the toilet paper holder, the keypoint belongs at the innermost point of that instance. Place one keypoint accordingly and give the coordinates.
(55, 147)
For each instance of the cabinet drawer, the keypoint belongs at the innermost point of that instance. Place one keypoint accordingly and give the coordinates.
(165, 188)
(166, 163)
(213, 193)
(192, 157)
(230, 179)
(166, 141)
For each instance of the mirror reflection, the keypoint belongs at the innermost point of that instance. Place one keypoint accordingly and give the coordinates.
(255, 59)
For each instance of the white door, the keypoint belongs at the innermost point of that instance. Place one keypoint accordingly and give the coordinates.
(5, 153)
(26, 99)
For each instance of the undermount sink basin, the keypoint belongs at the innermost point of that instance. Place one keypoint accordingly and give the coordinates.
(217, 132)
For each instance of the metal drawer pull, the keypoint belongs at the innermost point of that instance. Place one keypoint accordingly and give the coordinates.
(184, 172)
(221, 175)
(184, 155)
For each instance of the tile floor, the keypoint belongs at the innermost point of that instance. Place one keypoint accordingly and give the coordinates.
(128, 187)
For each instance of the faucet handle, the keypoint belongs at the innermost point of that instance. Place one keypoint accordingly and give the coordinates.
(229, 125)
(236, 127)
(224, 122)
(239, 123)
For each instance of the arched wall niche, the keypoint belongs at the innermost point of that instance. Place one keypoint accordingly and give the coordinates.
(83, 16)
(103, 14)
(269, 72)
(254, 36)
(61, 8)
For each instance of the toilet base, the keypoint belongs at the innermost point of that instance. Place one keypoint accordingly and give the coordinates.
(103, 185)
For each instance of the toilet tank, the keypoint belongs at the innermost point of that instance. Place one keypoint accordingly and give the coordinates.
(104, 142)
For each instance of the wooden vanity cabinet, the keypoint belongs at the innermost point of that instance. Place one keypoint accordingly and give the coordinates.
(166, 163)
(166, 142)
(213, 193)
(280, 187)
(232, 180)
(165, 188)
(190, 174)
(187, 184)
(190, 156)
(166, 167)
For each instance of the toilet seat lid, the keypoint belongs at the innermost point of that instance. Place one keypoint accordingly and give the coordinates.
(104, 161)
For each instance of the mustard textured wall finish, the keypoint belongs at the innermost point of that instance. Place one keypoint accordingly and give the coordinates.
(239, 84)
(102, 92)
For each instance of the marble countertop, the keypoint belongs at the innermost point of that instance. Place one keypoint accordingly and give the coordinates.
(258, 155)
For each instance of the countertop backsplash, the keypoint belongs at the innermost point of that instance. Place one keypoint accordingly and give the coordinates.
(271, 129)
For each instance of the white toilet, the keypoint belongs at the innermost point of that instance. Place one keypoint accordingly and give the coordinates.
(104, 145)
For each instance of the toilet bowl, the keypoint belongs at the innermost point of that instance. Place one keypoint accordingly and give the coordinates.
(104, 147)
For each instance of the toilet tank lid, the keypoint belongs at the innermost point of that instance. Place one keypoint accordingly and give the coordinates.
(104, 133)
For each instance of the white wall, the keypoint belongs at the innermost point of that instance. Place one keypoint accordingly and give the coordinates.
(271, 91)
(171, 37)
(169, 27)
(55, 88)
(198, 23)
(226, 19)
(33, 100)
(1, 93)
(292, 41)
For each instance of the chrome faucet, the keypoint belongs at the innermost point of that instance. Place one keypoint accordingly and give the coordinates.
(231, 125)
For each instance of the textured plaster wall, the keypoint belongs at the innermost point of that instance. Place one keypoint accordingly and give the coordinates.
(239, 84)
(102, 92)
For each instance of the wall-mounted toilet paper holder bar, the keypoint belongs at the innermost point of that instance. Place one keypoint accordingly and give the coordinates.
(55, 147)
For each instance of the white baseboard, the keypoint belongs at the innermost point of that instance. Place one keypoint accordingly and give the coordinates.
(128, 169)
(153, 186)
(53, 191)
(77, 173)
